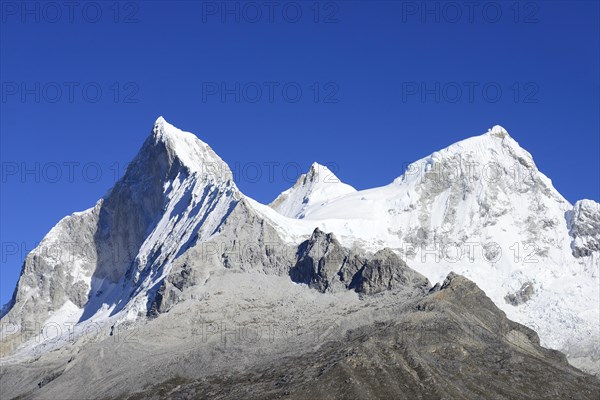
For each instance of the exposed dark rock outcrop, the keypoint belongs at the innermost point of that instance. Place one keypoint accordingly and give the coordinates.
(522, 295)
(386, 271)
(319, 261)
(325, 265)
(584, 227)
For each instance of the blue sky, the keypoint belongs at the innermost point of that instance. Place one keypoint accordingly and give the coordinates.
(365, 87)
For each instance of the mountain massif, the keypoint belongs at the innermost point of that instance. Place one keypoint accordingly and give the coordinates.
(468, 276)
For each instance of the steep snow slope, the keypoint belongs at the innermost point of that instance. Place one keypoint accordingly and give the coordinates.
(318, 186)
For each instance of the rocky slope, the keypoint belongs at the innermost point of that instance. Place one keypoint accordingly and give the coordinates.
(433, 349)
(230, 342)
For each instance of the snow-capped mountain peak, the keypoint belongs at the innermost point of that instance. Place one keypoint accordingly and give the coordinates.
(493, 156)
(318, 186)
(319, 174)
(498, 131)
(313, 171)
(174, 194)
(195, 155)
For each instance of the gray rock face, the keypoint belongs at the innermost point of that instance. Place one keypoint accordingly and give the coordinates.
(386, 271)
(522, 295)
(584, 227)
(132, 207)
(320, 260)
(248, 243)
(48, 279)
(245, 242)
(324, 264)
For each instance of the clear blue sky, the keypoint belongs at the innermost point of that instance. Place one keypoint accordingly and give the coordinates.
(381, 83)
